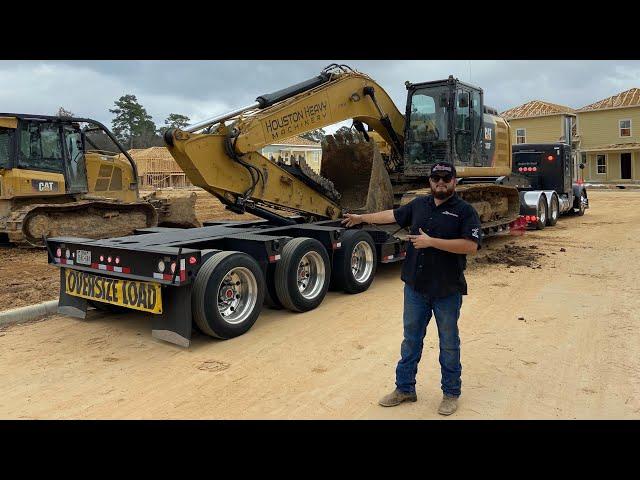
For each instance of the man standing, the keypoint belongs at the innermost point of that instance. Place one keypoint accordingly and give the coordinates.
(443, 230)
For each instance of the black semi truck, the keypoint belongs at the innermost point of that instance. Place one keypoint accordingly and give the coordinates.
(554, 184)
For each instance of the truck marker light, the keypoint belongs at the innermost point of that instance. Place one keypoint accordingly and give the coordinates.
(58, 252)
(102, 258)
(550, 158)
(109, 259)
(535, 169)
(534, 218)
(192, 260)
(274, 258)
(528, 218)
(117, 260)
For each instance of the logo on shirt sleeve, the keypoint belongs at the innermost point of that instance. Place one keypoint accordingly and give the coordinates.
(475, 232)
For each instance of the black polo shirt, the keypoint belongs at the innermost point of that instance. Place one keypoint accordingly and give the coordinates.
(431, 271)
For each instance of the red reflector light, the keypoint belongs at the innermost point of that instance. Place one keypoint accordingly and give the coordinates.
(108, 259)
(520, 169)
(117, 260)
(535, 169)
(534, 218)
(59, 252)
(102, 258)
(527, 218)
(550, 157)
(192, 260)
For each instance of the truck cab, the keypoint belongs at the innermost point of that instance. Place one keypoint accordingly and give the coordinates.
(549, 167)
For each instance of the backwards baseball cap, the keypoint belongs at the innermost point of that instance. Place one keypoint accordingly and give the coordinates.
(443, 168)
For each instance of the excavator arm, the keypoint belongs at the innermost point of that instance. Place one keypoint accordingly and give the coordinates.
(225, 159)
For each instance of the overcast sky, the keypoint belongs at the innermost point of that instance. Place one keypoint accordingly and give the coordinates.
(201, 89)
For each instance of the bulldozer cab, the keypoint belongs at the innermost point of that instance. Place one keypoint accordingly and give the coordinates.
(45, 144)
(444, 123)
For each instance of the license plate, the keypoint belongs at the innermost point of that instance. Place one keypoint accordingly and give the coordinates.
(143, 296)
(83, 257)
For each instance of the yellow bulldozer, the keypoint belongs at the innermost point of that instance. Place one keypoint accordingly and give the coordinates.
(55, 182)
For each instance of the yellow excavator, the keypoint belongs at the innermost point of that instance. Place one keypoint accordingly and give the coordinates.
(53, 181)
(444, 120)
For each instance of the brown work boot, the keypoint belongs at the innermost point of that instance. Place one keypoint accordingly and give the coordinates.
(396, 398)
(448, 405)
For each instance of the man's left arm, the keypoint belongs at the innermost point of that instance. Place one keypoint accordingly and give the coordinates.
(471, 233)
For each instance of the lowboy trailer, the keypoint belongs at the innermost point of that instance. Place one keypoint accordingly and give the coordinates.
(217, 277)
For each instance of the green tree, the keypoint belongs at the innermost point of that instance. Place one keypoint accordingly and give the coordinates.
(62, 112)
(314, 135)
(343, 129)
(132, 121)
(174, 120)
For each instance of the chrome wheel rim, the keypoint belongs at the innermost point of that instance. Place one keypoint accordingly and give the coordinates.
(237, 295)
(554, 210)
(310, 275)
(362, 262)
(583, 203)
(543, 215)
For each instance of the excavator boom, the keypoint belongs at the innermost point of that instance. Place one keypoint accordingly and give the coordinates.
(226, 160)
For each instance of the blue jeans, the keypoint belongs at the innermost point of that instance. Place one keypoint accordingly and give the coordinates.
(417, 313)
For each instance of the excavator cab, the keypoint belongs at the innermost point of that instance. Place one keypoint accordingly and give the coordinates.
(444, 123)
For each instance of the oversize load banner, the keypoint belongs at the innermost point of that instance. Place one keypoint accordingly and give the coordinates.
(125, 293)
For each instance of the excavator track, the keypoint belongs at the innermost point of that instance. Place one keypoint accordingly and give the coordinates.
(88, 219)
(496, 204)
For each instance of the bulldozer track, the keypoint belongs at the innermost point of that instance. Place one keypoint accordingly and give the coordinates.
(89, 219)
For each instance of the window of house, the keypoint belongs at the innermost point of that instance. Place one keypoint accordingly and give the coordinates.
(521, 136)
(602, 163)
(625, 128)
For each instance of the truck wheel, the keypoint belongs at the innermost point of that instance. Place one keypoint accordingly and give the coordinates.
(541, 213)
(227, 294)
(354, 265)
(552, 218)
(302, 275)
(582, 204)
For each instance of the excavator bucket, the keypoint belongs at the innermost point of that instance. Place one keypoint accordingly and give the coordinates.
(357, 170)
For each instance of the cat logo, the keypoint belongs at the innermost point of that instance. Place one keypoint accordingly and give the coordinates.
(44, 185)
(487, 133)
(475, 232)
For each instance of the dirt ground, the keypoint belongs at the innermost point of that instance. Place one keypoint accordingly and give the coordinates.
(550, 329)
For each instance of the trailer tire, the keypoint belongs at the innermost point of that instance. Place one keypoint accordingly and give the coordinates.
(290, 267)
(541, 213)
(227, 295)
(358, 247)
(552, 217)
(270, 294)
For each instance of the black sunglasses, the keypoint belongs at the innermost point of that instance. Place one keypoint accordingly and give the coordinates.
(436, 178)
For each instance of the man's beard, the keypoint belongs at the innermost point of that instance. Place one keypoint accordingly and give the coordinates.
(443, 195)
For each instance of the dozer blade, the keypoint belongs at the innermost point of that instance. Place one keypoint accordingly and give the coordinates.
(175, 208)
(357, 171)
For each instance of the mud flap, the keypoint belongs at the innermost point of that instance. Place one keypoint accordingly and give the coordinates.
(174, 324)
(357, 170)
(68, 304)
